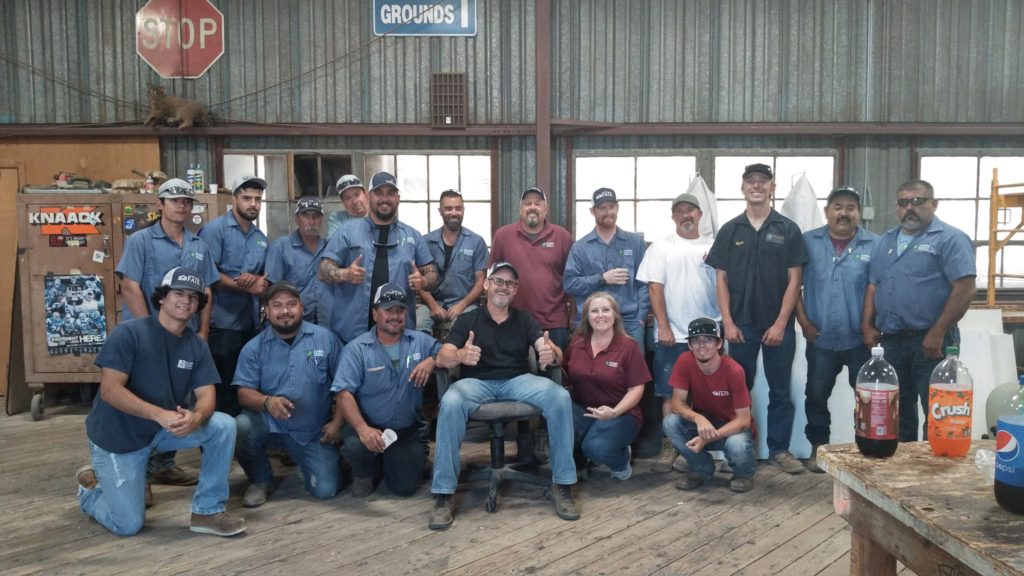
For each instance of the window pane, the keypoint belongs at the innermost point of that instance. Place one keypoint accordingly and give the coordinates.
(584, 222)
(1011, 171)
(477, 219)
(373, 163)
(415, 214)
(616, 173)
(951, 176)
(959, 213)
(654, 219)
(819, 171)
(444, 175)
(411, 173)
(663, 177)
(729, 209)
(476, 178)
(729, 176)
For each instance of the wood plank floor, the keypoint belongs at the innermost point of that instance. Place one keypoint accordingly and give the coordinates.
(641, 526)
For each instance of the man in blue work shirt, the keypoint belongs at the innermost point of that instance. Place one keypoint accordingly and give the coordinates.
(148, 254)
(296, 258)
(921, 283)
(461, 259)
(380, 393)
(366, 253)
(353, 197)
(607, 259)
(284, 378)
(239, 250)
(829, 312)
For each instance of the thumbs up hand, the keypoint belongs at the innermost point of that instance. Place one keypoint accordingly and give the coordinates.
(356, 272)
(415, 278)
(545, 351)
(469, 354)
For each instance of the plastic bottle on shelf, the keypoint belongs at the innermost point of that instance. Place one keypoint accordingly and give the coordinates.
(198, 179)
(877, 407)
(1009, 480)
(190, 175)
(950, 406)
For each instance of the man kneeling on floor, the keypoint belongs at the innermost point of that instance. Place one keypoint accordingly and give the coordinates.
(284, 378)
(149, 368)
(710, 410)
(492, 344)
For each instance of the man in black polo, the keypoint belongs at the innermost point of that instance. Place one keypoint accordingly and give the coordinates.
(759, 257)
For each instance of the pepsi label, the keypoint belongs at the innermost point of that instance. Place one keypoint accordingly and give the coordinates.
(1009, 456)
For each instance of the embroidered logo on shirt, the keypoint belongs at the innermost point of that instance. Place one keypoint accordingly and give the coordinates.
(467, 251)
(739, 242)
(772, 238)
(611, 364)
(547, 244)
(197, 255)
(261, 242)
(925, 248)
(184, 365)
(627, 252)
(720, 393)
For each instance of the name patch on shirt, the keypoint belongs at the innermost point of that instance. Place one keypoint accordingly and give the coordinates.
(773, 238)
(467, 251)
(184, 365)
(611, 364)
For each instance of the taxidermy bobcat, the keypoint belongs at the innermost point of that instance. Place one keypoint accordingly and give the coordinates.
(174, 110)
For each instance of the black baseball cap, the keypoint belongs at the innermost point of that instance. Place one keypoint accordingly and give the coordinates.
(281, 286)
(843, 190)
(534, 190)
(183, 278)
(604, 195)
(382, 179)
(759, 169)
(503, 265)
(309, 205)
(390, 295)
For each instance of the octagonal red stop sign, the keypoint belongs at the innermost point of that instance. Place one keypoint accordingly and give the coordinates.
(179, 38)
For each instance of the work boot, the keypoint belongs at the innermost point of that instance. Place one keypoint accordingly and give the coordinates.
(741, 484)
(680, 464)
(219, 524)
(256, 495)
(812, 462)
(443, 512)
(86, 477)
(787, 462)
(668, 457)
(561, 495)
(690, 482)
(149, 495)
(175, 476)
(362, 487)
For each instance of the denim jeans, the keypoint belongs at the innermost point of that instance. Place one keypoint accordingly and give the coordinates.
(225, 346)
(401, 464)
(778, 369)
(118, 500)
(738, 448)
(914, 370)
(319, 462)
(823, 366)
(664, 360)
(637, 332)
(466, 395)
(604, 441)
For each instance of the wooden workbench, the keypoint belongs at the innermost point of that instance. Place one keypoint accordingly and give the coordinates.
(935, 515)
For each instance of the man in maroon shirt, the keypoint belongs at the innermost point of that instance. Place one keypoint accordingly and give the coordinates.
(710, 410)
(539, 250)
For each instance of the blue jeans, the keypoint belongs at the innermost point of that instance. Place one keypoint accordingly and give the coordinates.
(401, 464)
(738, 448)
(637, 332)
(466, 395)
(778, 368)
(823, 366)
(319, 462)
(914, 370)
(604, 441)
(118, 501)
(664, 360)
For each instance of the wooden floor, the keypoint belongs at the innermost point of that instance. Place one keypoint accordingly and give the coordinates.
(642, 526)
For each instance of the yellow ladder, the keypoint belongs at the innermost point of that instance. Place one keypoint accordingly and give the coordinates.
(1014, 198)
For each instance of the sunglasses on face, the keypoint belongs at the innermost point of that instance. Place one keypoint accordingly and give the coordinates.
(915, 201)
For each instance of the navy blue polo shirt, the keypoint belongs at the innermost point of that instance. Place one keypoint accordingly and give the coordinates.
(504, 348)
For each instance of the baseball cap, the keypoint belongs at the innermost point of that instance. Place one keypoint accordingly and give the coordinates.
(534, 190)
(759, 169)
(388, 296)
(382, 179)
(281, 286)
(848, 191)
(175, 188)
(348, 181)
(604, 195)
(247, 179)
(183, 278)
(503, 265)
(703, 327)
(687, 198)
(309, 204)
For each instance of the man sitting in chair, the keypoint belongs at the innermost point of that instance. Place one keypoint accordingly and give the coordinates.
(492, 344)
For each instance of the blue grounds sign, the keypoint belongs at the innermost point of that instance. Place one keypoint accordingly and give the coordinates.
(424, 17)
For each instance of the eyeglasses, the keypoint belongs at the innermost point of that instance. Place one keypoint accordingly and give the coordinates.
(501, 282)
(915, 201)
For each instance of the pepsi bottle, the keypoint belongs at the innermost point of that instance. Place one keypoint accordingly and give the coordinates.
(1009, 484)
(876, 407)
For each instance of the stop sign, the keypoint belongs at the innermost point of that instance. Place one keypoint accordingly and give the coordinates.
(179, 38)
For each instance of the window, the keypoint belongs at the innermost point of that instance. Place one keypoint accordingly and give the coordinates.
(819, 171)
(422, 178)
(644, 185)
(963, 185)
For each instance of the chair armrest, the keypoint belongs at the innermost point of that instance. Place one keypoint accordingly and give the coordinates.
(444, 378)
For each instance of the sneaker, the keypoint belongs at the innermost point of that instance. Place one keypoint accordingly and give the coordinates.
(443, 512)
(256, 495)
(680, 464)
(175, 476)
(690, 482)
(219, 524)
(787, 462)
(812, 462)
(362, 487)
(741, 484)
(86, 477)
(149, 496)
(667, 458)
(561, 495)
(625, 474)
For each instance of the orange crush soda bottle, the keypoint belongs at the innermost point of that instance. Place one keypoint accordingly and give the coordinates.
(950, 406)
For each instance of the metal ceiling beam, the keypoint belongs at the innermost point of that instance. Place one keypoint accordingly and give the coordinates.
(251, 129)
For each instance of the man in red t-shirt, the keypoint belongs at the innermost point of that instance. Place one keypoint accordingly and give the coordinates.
(710, 410)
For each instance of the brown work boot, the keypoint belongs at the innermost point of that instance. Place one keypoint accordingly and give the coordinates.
(219, 524)
(256, 495)
(812, 462)
(690, 482)
(787, 462)
(561, 495)
(443, 512)
(667, 458)
(175, 476)
(741, 484)
(86, 477)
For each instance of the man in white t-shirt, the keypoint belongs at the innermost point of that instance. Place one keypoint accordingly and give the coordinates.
(682, 288)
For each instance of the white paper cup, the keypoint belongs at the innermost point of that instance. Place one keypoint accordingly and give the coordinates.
(213, 188)
(389, 437)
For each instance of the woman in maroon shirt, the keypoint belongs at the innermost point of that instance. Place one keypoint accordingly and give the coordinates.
(606, 374)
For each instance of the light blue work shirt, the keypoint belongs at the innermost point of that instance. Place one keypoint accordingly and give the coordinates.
(912, 288)
(469, 256)
(834, 286)
(335, 220)
(148, 255)
(290, 259)
(384, 393)
(301, 372)
(235, 252)
(590, 258)
(351, 303)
